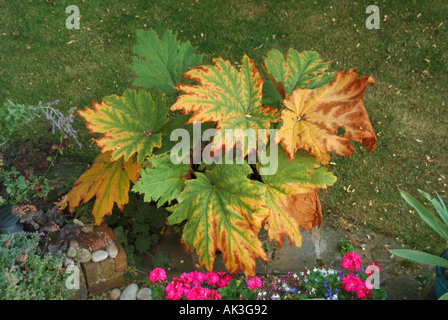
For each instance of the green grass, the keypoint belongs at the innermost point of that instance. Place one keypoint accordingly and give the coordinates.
(41, 60)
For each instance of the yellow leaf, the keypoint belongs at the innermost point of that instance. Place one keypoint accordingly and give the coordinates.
(108, 182)
(287, 213)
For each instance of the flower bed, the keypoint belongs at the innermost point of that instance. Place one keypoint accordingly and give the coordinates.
(346, 283)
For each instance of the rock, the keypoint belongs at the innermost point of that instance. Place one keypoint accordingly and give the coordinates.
(78, 222)
(83, 255)
(71, 252)
(115, 294)
(94, 241)
(74, 244)
(99, 255)
(112, 250)
(68, 262)
(130, 292)
(144, 294)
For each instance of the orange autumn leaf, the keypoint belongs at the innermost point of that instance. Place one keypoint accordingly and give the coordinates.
(108, 181)
(311, 118)
(291, 198)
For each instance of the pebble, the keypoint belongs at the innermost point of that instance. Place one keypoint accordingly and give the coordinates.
(99, 255)
(71, 252)
(74, 244)
(83, 255)
(130, 292)
(68, 262)
(78, 222)
(112, 250)
(144, 294)
(115, 294)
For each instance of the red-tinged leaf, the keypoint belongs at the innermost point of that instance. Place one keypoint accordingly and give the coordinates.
(311, 118)
(130, 124)
(223, 212)
(291, 198)
(231, 98)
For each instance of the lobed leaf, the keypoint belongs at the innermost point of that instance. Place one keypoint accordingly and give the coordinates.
(108, 181)
(130, 124)
(311, 118)
(163, 181)
(222, 209)
(160, 62)
(231, 98)
(291, 197)
(304, 70)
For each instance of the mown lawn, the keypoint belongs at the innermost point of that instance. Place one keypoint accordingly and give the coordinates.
(42, 60)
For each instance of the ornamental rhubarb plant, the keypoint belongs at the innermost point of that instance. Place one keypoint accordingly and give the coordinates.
(263, 155)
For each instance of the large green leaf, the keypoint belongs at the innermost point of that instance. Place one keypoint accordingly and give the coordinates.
(223, 212)
(421, 257)
(161, 61)
(130, 123)
(290, 195)
(231, 98)
(427, 216)
(303, 70)
(439, 205)
(302, 174)
(162, 181)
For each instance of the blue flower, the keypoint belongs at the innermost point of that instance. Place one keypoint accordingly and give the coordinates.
(59, 121)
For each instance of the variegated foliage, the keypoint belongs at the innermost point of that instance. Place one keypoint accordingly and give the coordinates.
(224, 206)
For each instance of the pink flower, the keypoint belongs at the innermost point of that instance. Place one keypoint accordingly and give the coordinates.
(363, 292)
(158, 274)
(224, 280)
(254, 282)
(197, 278)
(195, 293)
(212, 278)
(351, 261)
(199, 293)
(210, 294)
(350, 283)
(173, 292)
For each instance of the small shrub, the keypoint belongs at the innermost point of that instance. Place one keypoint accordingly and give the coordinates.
(26, 273)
